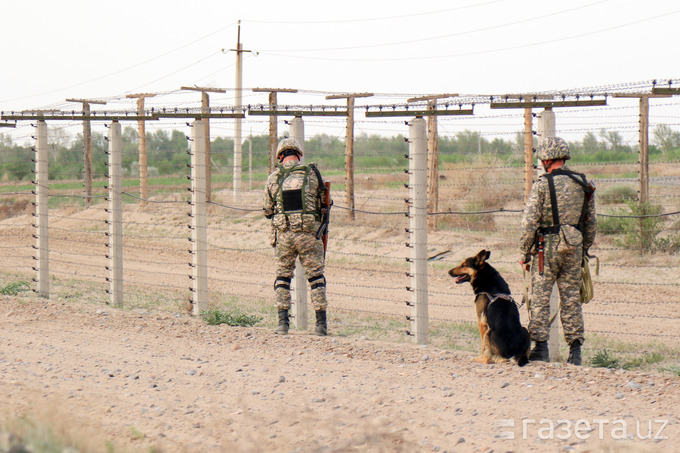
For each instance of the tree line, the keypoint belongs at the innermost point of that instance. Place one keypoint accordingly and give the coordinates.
(167, 151)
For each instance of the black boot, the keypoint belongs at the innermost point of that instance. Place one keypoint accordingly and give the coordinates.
(284, 323)
(321, 328)
(575, 353)
(540, 352)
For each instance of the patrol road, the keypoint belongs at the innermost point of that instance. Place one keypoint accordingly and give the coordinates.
(135, 380)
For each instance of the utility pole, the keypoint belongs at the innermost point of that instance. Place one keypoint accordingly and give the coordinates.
(273, 121)
(433, 155)
(528, 152)
(205, 108)
(87, 147)
(250, 161)
(349, 148)
(644, 139)
(143, 173)
(238, 151)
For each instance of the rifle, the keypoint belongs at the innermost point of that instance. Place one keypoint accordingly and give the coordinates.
(322, 232)
(541, 243)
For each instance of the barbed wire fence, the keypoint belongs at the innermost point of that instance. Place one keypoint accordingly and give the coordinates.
(368, 269)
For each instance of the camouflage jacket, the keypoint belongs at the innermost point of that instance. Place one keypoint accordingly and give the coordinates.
(292, 198)
(538, 213)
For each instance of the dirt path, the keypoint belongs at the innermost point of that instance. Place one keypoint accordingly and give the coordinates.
(139, 380)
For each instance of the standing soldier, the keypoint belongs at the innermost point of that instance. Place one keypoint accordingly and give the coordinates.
(293, 198)
(559, 226)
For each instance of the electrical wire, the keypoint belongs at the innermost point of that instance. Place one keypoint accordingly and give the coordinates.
(403, 16)
(479, 52)
(433, 38)
(124, 69)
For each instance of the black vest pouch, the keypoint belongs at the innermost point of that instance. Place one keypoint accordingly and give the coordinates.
(292, 200)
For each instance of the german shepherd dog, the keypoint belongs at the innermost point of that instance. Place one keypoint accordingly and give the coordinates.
(503, 336)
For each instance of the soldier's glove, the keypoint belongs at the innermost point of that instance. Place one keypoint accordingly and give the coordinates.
(525, 259)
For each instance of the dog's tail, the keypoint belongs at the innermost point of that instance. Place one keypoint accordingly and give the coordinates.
(522, 359)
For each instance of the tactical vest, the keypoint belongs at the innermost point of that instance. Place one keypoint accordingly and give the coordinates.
(297, 200)
(297, 206)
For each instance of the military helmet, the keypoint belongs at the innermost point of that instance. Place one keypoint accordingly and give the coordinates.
(553, 148)
(288, 144)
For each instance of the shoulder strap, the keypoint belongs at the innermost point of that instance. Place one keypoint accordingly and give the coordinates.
(579, 178)
(553, 198)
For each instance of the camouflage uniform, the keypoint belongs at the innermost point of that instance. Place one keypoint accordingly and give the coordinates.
(563, 253)
(294, 229)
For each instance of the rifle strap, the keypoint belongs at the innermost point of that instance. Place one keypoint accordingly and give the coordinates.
(318, 176)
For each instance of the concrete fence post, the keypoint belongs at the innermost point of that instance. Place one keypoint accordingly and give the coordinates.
(546, 129)
(418, 228)
(199, 236)
(297, 131)
(41, 212)
(115, 215)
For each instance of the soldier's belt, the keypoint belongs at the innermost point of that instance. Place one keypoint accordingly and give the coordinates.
(555, 229)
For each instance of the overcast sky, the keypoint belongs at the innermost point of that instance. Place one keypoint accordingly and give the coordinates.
(53, 50)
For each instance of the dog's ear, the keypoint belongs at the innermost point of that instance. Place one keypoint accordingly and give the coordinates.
(481, 257)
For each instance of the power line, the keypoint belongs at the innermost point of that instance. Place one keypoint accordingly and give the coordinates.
(480, 52)
(432, 38)
(403, 16)
(124, 69)
(178, 70)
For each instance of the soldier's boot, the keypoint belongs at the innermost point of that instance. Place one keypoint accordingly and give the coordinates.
(540, 352)
(575, 353)
(284, 323)
(321, 327)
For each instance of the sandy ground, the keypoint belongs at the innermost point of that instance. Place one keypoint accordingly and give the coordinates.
(139, 379)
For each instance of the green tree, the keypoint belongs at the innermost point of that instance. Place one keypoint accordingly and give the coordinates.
(613, 139)
(665, 138)
(468, 142)
(590, 142)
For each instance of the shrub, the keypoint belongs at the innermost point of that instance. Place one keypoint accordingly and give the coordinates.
(14, 288)
(639, 224)
(216, 317)
(618, 194)
(603, 359)
(669, 244)
(611, 225)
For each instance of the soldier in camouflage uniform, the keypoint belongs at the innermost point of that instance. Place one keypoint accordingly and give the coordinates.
(568, 233)
(293, 196)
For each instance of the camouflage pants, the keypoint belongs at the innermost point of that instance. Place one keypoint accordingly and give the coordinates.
(290, 245)
(563, 267)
